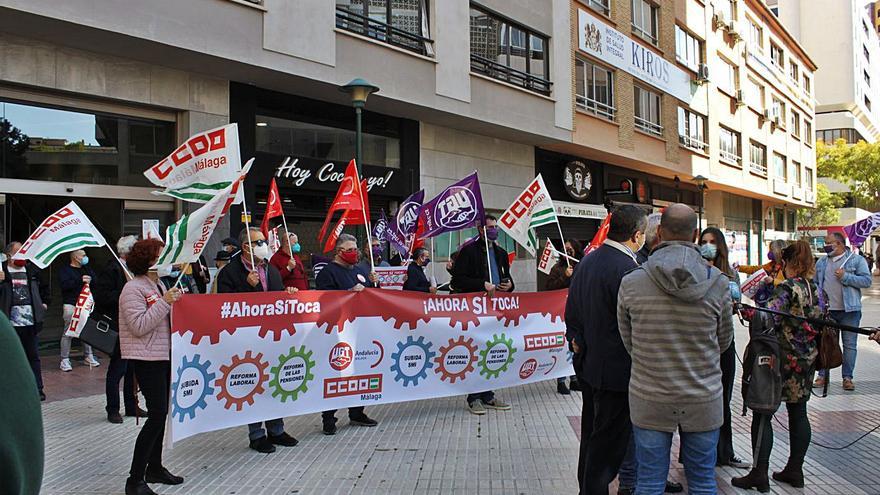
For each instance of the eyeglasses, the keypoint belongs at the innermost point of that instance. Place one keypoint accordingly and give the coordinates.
(259, 242)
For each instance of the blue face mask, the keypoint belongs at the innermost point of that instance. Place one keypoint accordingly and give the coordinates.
(295, 248)
(708, 251)
(175, 273)
(84, 261)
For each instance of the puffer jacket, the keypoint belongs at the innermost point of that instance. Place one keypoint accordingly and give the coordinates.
(144, 321)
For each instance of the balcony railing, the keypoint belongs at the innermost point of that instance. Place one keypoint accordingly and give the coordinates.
(648, 126)
(692, 143)
(381, 31)
(758, 169)
(598, 108)
(482, 65)
(730, 157)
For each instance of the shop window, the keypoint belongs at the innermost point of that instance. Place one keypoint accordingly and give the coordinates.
(692, 130)
(507, 51)
(595, 88)
(402, 23)
(294, 138)
(54, 144)
(647, 111)
(644, 20)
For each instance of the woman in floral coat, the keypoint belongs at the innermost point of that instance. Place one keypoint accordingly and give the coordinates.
(797, 340)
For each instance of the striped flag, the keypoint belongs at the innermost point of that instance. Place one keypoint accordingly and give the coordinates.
(185, 240)
(531, 209)
(85, 304)
(68, 229)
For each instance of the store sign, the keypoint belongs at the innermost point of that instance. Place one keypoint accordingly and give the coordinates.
(577, 179)
(600, 40)
(579, 210)
(301, 174)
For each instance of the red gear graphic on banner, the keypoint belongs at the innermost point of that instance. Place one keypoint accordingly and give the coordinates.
(226, 370)
(445, 374)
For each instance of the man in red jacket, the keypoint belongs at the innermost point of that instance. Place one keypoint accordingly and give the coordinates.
(286, 260)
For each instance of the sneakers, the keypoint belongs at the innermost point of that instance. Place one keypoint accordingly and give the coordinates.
(283, 440)
(819, 383)
(114, 417)
(262, 445)
(562, 389)
(91, 361)
(476, 407)
(738, 463)
(65, 365)
(498, 405)
(848, 384)
(363, 421)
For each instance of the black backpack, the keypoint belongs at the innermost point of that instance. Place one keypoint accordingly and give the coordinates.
(762, 378)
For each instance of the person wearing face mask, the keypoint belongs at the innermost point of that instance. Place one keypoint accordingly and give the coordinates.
(376, 249)
(24, 299)
(713, 248)
(842, 275)
(72, 277)
(773, 268)
(343, 273)
(168, 275)
(415, 273)
(601, 362)
(288, 263)
(473, 272)
(242, 275)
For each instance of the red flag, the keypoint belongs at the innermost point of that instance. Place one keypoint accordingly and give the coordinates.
(349, 198)
(273, 208)
(600, 236)
(510, 257)
(334, 234)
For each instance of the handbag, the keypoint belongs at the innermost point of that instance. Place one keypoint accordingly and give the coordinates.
(99, 332)
(828, 355)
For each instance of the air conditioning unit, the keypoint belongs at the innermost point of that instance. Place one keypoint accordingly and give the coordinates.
(718, 21)
(740, 98)
(703, 74)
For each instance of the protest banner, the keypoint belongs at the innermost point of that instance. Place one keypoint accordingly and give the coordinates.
(243, 358)
(68, 229)
(85, 304)
(753, 283)
(391, 277)
(458, 207)
(400, 233)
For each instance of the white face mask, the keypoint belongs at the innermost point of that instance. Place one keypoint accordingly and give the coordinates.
(164, 271)
(262, 252)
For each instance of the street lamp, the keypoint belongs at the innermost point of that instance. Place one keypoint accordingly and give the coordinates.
(359, 89)
(700, 181)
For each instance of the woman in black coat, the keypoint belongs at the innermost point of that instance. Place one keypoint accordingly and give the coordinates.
(415, 273)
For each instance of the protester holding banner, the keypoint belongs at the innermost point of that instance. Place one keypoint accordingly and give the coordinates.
(24, 299)
(470, 273)
(288, 263)
(415, 272)
(343, 273)
(72, 277)
(241, 276)
(106, 290)
(145, 341)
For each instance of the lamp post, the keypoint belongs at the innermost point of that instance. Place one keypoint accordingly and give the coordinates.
(701, 184)
(359, 89)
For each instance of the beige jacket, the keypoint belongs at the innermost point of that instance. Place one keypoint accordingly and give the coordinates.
(144, 321)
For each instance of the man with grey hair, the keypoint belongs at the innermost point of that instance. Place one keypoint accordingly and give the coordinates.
(106, 290)
(651, 240)
(344, 273)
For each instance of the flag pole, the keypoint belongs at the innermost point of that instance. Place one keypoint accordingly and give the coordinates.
(180, 277)
(124, 268)
(558, 226)
(433, 274)
(247, 224)
(366, 221)
(488, 263)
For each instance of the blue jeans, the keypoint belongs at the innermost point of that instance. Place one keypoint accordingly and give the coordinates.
(698, 451)
(274, 426)
(850, 340)
(626, 475)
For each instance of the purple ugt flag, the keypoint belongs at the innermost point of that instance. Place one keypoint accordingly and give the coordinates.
(401, 230)
(859, 231)
(380, 229)
(458, 207)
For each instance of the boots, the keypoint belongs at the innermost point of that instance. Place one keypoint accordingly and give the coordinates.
(793, 475)
(757, 479)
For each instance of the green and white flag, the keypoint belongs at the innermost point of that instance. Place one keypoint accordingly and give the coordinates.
(533, 208)
(201, 168)
(68, 229)
(185, 240)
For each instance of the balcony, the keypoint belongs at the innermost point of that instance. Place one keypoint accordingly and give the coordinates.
(730, 158)
(382, 31)
(490, 68)
(692, 143)
(809, 196)
(648, 126)
(758, 169)
(780, 186)
(596, 107)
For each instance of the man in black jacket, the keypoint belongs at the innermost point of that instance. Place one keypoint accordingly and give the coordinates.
(416, 280)
(601, 362)
(472, 272)
(242, 276)
(106, 290)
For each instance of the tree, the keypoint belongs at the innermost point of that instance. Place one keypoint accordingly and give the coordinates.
(856, 165)
(13, 141)
(824, 213)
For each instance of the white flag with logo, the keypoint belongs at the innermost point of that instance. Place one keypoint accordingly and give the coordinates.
(549, 258)
(201, 168)
(185, 240)
(85, 304)
(531, 209)
(68, 229)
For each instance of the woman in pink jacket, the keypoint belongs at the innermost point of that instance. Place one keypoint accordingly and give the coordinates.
(145, 341)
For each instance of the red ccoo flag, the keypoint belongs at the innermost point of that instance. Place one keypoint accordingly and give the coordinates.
(600, 236)
(273, 208)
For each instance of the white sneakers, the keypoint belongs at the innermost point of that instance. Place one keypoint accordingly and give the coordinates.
(89, 360)
(65, 365)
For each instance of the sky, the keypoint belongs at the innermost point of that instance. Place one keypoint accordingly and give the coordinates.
(51, 123)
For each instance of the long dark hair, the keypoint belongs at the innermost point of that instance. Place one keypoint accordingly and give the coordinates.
(722, 255)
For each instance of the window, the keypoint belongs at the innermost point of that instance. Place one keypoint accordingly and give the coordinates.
(729, 141)
(777, 56)
(794, 72)
(791, 221)
(599, 6)
(691, 130)
(509, 52)
(644, 20)
(778, 219)
(795, 124)
(726, 76)
(756, 36)
(754, 94)
(808, 132)
(688, 50)
(867, 53)
(647, 111)
(796, 168)
(867, 77)
(778, 111)
(758, 158)
(779, 169)
(808, 178)
(867, 103)
(595, 88)
(808, 87)
(724, 10)
(402, 23)
(851, 136)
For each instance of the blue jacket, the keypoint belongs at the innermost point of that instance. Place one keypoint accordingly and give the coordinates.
(856, 278)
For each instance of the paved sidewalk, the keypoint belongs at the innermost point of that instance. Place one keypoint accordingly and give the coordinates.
(437, 447)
